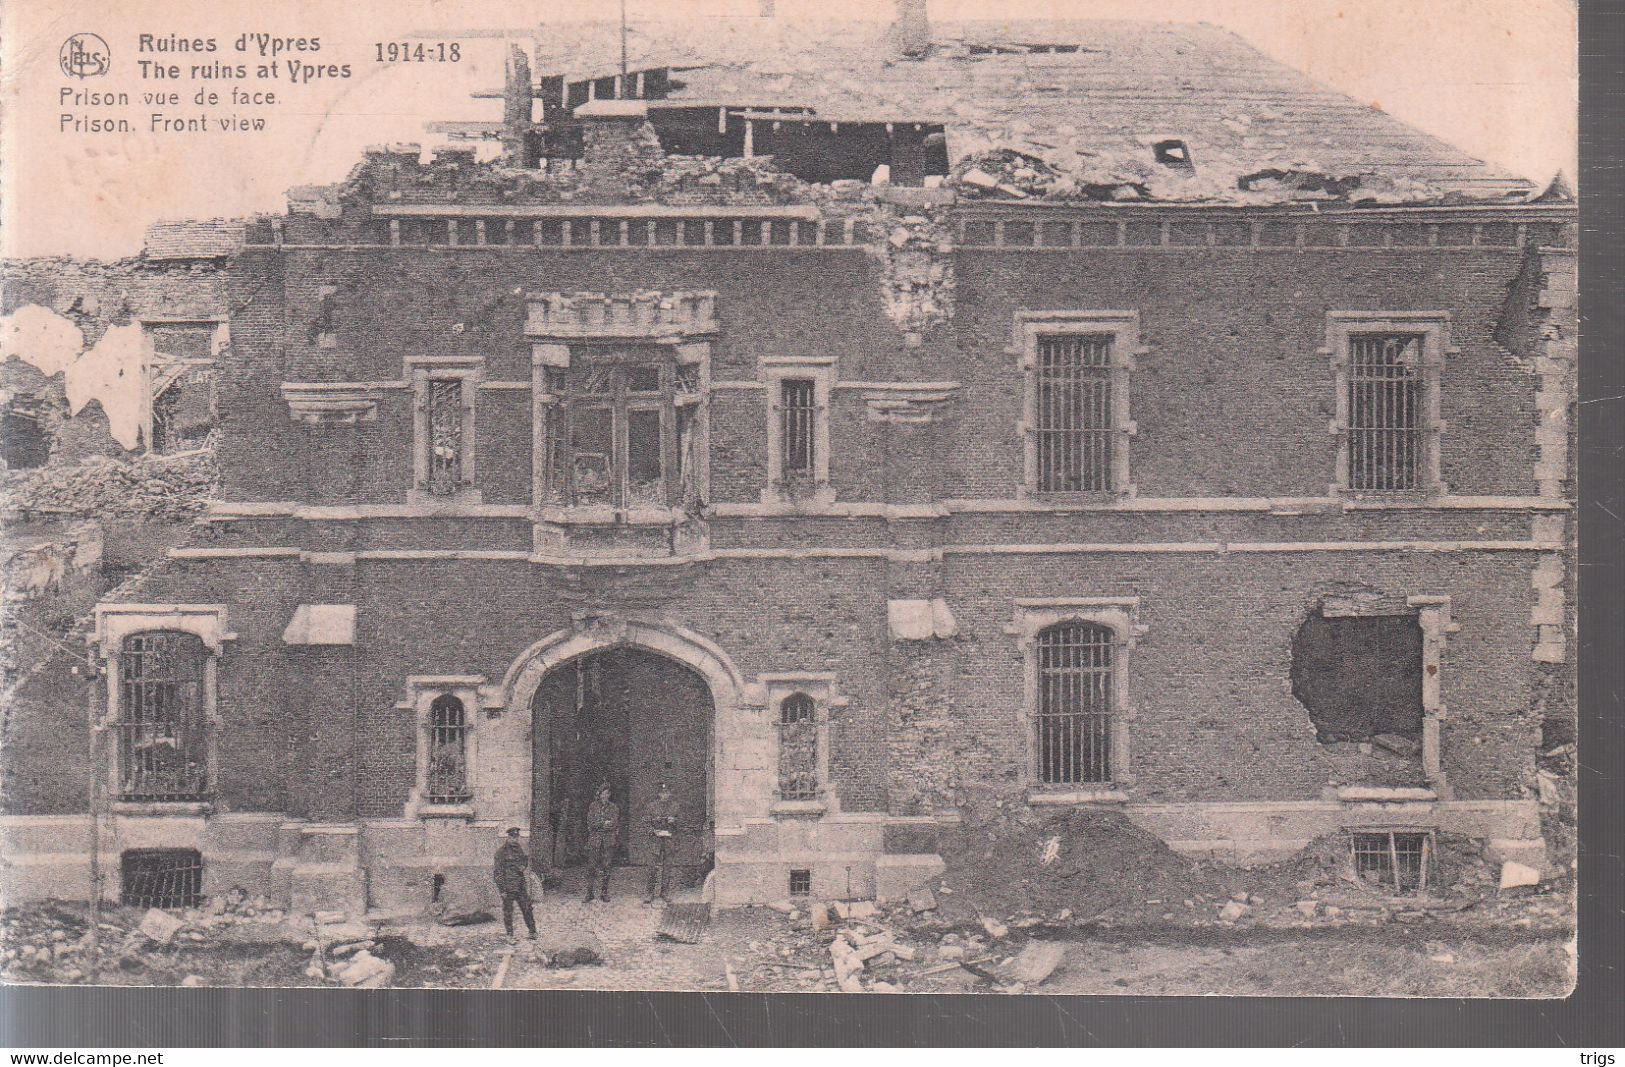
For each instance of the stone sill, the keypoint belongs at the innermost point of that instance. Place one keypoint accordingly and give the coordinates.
(1087, 796)
(798, 807)
(1385, 794)
(608, 515)
(161, 807)
(445, 811)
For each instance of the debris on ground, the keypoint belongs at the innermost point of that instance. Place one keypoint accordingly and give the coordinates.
(684, 922)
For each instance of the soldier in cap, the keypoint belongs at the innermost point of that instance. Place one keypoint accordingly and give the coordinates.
(662, 823)
(603, 824)
(509, 871)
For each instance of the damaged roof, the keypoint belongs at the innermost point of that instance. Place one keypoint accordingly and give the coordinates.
(1091, 99)
(192, 239)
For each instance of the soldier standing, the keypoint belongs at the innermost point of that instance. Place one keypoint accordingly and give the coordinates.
(603, 823)
(509, 871)
(662, 822)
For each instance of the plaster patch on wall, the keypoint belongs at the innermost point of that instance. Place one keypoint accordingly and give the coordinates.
(41, 338)
(110, 371)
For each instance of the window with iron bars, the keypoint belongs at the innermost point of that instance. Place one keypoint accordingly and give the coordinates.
(1392, 859)
(448, 751)
(446, 430)
(162, 723)
(1073, 417)
(798, 415)
(1385, 404)
(1074, 719)
(161, 878)
(798, 748)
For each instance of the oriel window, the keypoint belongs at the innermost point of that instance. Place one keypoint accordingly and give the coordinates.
(620, 426)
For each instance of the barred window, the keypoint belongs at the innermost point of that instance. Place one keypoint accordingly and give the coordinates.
(161, 878)
(162, 723)
(446, 429)
(798, 748)
(1075, 664)
(798, 411)
(448, 751)
(1393, 860)
(1073, 420)
(1385, 429)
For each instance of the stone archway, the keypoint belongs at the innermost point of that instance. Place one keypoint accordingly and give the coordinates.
(740, 779)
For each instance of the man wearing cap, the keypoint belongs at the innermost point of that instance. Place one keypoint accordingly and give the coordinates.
(662, 823)
(603, 822)
(509, 871)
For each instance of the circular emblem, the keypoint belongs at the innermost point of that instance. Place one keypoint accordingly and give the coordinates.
(84, 55)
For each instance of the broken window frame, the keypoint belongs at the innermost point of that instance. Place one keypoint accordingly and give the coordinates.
(1378, 848)
(812, 484)
(1119, 616)
(1345, 331)
(161, 372)
(425, 695)
(439, 478)
(1120, 332)
(1433, 616)
(612, 379)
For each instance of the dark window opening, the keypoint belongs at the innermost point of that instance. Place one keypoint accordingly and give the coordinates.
(1174, 153)
(24, 441)
(798, 420)
(798, 748)
(183, 413)
(801, 883)
(1074, 418)
(448, 751)
(162, 723)
(1385, 411)
(161, 878)
(1360, 677)
(445, 435)
(621, 430)
(1393, 860)
(1075, 683)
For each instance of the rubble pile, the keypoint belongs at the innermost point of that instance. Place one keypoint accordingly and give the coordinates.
(148, 488)
(1009, 860)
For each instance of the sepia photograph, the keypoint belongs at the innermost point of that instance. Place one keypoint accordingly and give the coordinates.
(759, 496)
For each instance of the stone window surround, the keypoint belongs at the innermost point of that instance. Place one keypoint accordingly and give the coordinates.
(421, 691)
(1434, 618)
(419, 371)
(821, 370)
(1120, 615)
(823, 688)
(1434, 326)
(1124, 326)
(546, 354)
(114, 623)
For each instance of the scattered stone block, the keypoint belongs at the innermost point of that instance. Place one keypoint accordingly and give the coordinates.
(862, 909)
(1515, 875)
(191, 981)
(1232, 911)
(367, 971)
(951, 952)
(1307, 908)
(903, 952)
(783, 907)
(325, 917)
(995, 929)
(1037, 961)
(819, 914)
(159, 926)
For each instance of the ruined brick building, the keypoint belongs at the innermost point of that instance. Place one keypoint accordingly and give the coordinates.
(845, 426)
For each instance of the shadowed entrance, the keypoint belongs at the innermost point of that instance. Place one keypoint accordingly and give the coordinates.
(633, 719)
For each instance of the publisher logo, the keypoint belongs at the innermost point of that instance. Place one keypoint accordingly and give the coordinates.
(84, 55)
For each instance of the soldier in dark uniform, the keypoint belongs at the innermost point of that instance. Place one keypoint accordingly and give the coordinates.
(509, 871)
(662, 823)
(603, 824)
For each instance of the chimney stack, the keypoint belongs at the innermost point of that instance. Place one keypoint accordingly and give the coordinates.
(911, 33)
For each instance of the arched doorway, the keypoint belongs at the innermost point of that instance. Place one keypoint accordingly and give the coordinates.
(632, 718)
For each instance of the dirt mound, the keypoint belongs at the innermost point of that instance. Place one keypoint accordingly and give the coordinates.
(1013, 861)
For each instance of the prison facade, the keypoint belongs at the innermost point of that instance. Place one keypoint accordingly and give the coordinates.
(839, 506)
